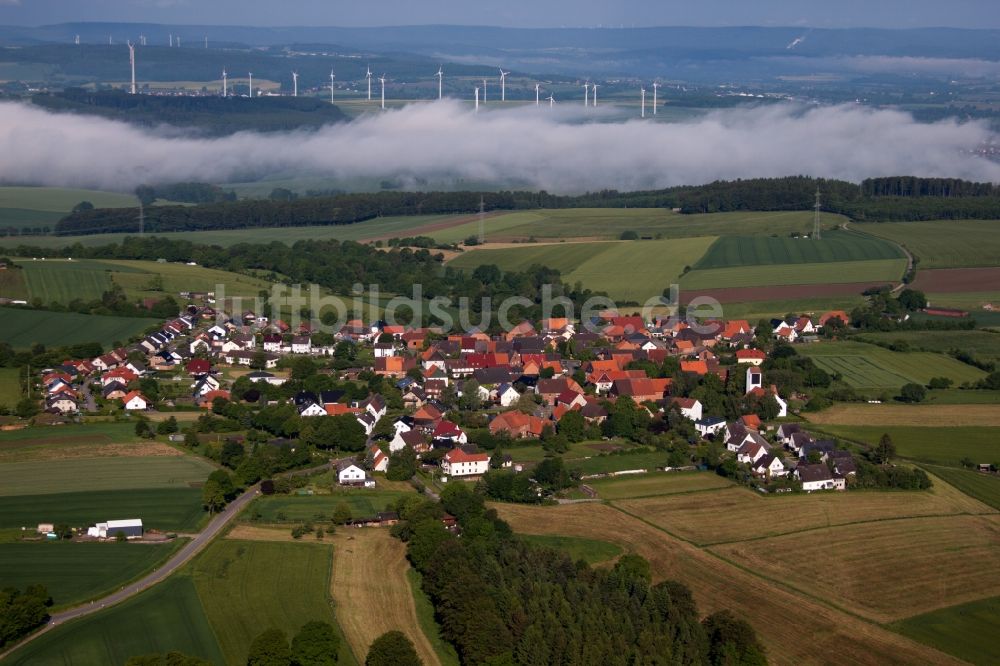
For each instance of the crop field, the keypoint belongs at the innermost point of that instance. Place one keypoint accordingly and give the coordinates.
(23, 328)
(98, 474)
(942, 446)
(12, 285)
(835, 246)
(888, 414)
(967, 631)
(870, 272)
(87, 433)
(983, 487)
(864, 366)
(657, 483)
(10, 386)
(136, 278)
(34, 207)
(780, 616)
(983, 345)
(166, 509)
(166, 617)
(886, 570)
(945, 244)
(631, 270)
(248, 586)
(737, 514)
(590, 551)
(61, 281)
(752, 310)
(76, 572)
(362, 501)
(371, 592)
(944, 281)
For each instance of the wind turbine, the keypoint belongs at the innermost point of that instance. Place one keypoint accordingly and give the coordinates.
(537, 86)
(643, 90)
(295, 84)
(381, 80)
(131, 62)
(477, 99)
(440, 76)
(552, 100)
(110, 41)
(503, 84)
(332, 77)
(178, 41)
(142, 40)
(206, 41)
(586, 93)
(655, 86)
(368, 76)
(77, 41)
(594, 86)
(225, 83)
(171, 41)
(251, 85)
(484, 91)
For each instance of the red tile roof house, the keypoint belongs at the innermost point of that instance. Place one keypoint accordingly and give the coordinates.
(136, 401)
(458, 463)
(450, 431)
(751, 356)
(517, 425)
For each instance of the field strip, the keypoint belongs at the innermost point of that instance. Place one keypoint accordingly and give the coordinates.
(795, 629)
(907, 415)
(371, 591)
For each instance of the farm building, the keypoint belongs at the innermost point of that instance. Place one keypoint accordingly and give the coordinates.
(131, 528)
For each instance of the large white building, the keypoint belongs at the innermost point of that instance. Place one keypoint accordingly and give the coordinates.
(458, 463)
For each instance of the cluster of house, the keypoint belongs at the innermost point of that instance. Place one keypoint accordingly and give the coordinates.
(426, 364)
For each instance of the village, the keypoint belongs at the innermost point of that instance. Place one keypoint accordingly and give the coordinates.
(462, 405)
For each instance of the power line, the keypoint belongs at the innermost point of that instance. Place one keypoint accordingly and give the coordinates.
(817, 234)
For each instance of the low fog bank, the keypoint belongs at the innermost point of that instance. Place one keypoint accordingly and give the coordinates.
(551, 149)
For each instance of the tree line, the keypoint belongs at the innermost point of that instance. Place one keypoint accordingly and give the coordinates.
(878, 199)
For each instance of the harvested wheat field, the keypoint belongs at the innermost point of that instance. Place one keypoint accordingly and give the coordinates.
(885, 571)
(795, 629)
(736, 514)
(371, 591)
(66, 452)
(904, 415)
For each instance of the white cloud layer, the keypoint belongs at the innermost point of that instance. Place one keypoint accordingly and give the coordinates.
(534, 147)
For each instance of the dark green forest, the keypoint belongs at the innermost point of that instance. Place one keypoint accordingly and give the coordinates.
(501, 601)
(882, 199)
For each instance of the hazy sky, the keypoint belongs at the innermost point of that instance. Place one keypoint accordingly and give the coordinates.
(520, 13)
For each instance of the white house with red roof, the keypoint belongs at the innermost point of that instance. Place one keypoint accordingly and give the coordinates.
(136, 401)
(458, 463)
(690, 407)
(447, 430)
(751, 356)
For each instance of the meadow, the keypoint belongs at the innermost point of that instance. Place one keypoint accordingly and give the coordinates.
(165, 509)
(142, 279)
(604, 464)
(863, 366)
(835, 246)
(983, 345)
(248, 586)
(33, 207)
(983, 487)
(657, 483)
(967, 631)
(100, 474)
(946, 243)
(883, 570)
(590, 551)
(780, 616)
(77, 572)
(61, 281)
(754, 311)
(13, 285)
(942, 446)
(898, 414)
(872, 272)
(629, 270)
(363, 502)
(24, 328)
(371, 592)
(10, 386)
(168, 616)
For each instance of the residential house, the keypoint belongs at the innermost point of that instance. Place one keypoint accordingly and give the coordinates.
(751, 356)
(690, 407)
(458, 463)
(517, 425)
(709, 425)
(818, 477)
(415, 440)
(136, 401)
(350, 473)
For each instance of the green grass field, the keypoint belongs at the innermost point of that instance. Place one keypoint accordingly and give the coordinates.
(590, 551)
(967, 631)
(629, 270)
(364, 502)
(165, 509)
(942, 446)
(983, 487)
(85, 433)
(13, 285)
(983, 345)
(870, 367)
(137, 278)
(77, 572)
(881, 270)
(10, 386)
(166, 617)
(946, 243)
(23, 328)
(657, 483)
(61, 281)
(835, 246)
(248, 586)
(34, 207)
(617, 463)
(756, 310)
(106, 473)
